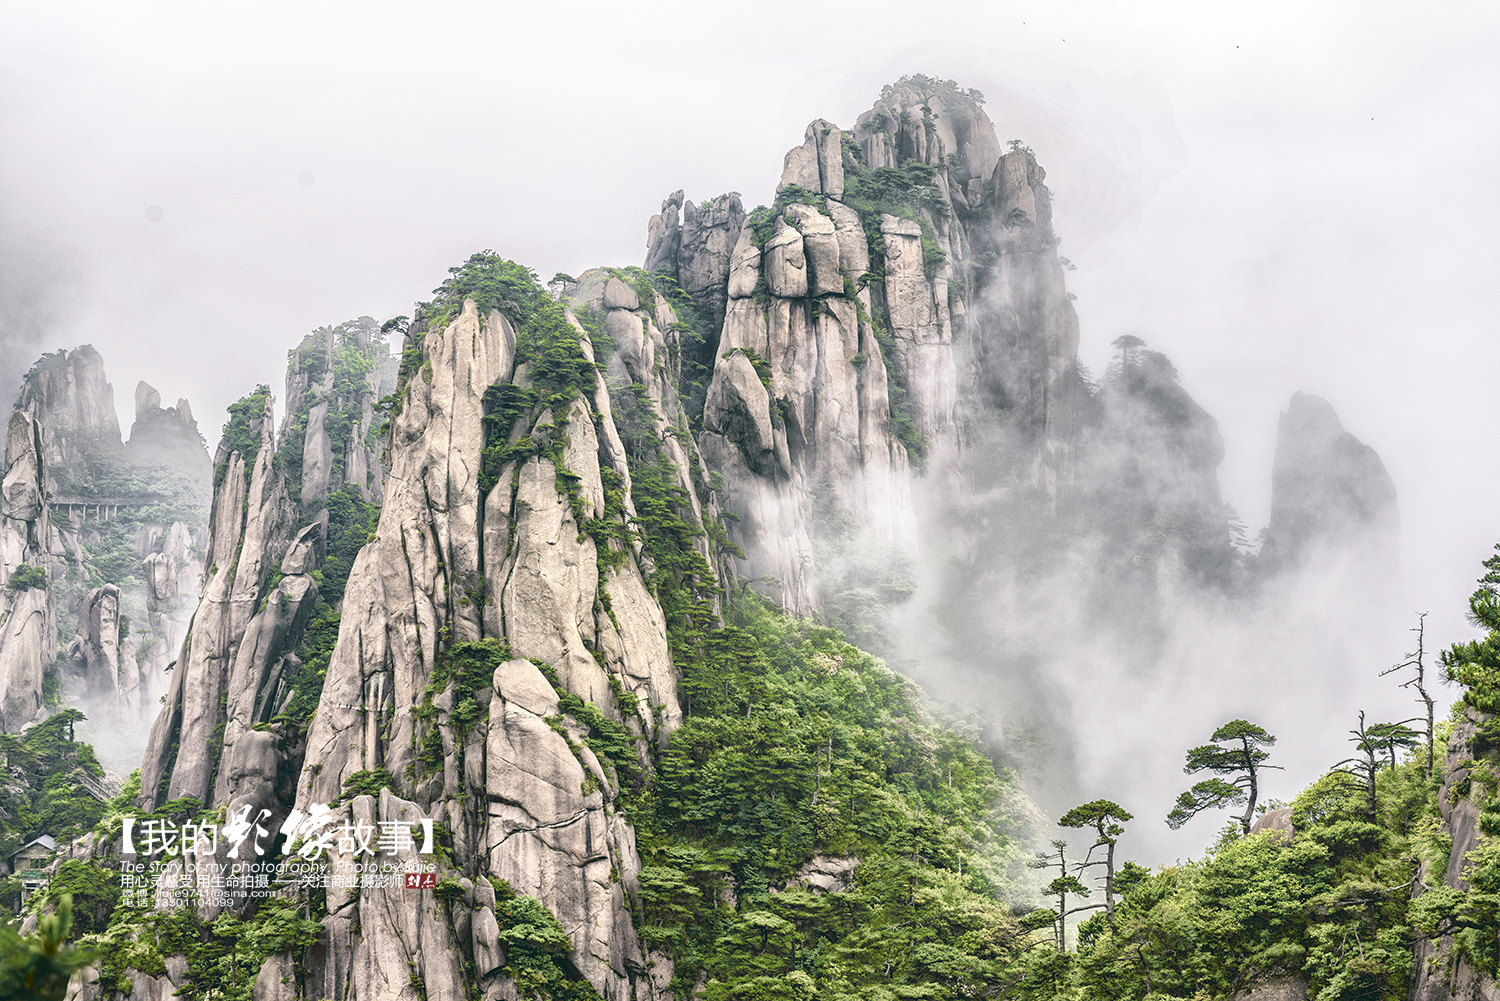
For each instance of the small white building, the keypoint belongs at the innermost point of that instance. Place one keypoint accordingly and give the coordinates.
(29, 863)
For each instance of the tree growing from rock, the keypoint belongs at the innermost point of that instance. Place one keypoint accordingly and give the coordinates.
(1237, 749)
(1108, 820)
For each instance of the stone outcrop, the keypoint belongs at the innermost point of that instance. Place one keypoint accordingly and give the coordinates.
(873, 334)
(1329, 491)
(864, 326)
(1440, 972)
(333, 380)
(28, 614)
(697, 252)
(455, 561)
(168, 437)
(174, 579)
(71, 398)
(1287, 987)
(102, 654)
(250, 529)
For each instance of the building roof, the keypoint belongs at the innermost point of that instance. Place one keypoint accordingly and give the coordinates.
(42, 840)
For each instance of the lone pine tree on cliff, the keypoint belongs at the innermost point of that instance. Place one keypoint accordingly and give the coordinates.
(1237, 749)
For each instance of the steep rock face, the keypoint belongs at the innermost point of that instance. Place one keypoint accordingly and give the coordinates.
(174, 579)
(250, 528)
(71, 398)
(456, 559)
(167, 436)
(28, 615)
(697, 253)
(1327, 490)
(904, 283)
(333, 380)
(1439, 972)
(103, 651)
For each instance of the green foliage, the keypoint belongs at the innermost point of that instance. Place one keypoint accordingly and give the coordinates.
(44, 794)
(1476, 665)
(796, 744)
(903, 423)
(357, 346)
(535, 949)
(241, 436)
(1245, 762)
(464, 670)
(38, 966)
(368, 783)
(94, 890)
(25, 577)
(223, 956)
(609, 740)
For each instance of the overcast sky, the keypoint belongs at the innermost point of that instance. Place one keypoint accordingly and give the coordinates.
(1280, 196)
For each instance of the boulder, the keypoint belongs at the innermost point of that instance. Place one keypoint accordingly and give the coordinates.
(744, 267)
(821, 249)
(785, 263)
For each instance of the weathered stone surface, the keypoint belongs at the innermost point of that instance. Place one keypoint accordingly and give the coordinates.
(828, 874)
(1282, 988)
(1438, 973)
(95, 653)
(174, 577)
(800, 168)
(317, 455)
(146, 399)
(854, 247)
(744, 267)
(23, 490)
(664, 236)
(739, 408)
(251, 525)
(1277, 822)
(785, 263)
(710, 234)
(310, 387)
(69, 395)
(1012, 192)
(548, 833)
(618, 295)
(821, 248)
(426, 558)
(28, 616)
(818, 164)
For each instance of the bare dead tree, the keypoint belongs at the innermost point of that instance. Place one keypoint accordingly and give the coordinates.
(1416, 661)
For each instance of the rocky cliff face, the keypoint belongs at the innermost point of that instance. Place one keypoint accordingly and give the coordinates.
(28, 615)
(904, 283)
(166, 437)
(333, 380)
(457, 560)
(71, 398)
(500, 590)
(251, 526)
(1440, 972)
(1328, 490)
(106, 495)
(549, 542)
